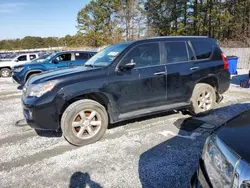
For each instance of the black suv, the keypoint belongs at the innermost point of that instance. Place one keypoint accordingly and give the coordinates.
(125, 81)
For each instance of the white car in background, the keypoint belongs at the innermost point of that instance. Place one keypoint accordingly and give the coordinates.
(6, 66)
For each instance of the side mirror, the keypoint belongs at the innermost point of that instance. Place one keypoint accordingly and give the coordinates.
(128, 66)
(16, 60)
(55, 61)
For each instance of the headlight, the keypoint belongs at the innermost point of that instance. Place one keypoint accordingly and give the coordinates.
(19, 69)
(38, 90)
(219, 162)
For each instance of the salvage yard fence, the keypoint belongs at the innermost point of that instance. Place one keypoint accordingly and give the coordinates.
(242, 53)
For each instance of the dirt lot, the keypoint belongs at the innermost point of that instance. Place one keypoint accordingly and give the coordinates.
(146, 152)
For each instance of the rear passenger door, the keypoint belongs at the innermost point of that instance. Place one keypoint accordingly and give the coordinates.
(180, 68)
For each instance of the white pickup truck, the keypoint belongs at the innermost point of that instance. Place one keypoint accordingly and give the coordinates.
(5, 66)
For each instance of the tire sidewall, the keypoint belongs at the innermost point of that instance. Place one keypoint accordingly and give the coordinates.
(70, 114)
(199, 88)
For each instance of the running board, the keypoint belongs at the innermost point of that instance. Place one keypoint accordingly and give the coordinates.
(152, 110)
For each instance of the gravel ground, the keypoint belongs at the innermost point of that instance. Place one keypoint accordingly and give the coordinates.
(146, 152)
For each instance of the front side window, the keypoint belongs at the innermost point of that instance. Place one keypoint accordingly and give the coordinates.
(22, 58)
(203, 49)
(32, 57)
(144, 55)
(64, 57)
(81, 56)
(176, 52)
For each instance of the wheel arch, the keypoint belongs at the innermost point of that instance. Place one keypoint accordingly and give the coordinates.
(211, 80)
(97, 96)
(5, 67)
(30, 73)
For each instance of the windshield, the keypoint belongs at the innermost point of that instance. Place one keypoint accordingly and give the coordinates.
(41, 58)
(107, 55)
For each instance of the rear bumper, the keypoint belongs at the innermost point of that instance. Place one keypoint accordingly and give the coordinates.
(200, 178)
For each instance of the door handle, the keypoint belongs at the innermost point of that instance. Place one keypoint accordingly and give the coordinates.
(194, 68)
(159, 73)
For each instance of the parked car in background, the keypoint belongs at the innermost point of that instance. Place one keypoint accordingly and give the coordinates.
(6, 66)
(225, 159)
(41, 58)
(22, 73)
(125, 81)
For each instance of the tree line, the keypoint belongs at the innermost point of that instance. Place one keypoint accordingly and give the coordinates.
(104, 22)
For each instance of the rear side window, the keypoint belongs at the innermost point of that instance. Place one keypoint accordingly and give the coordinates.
(81, 56)
(203, 49)
(32, 56)
(176, 52)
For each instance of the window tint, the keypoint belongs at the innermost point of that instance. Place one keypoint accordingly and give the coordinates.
(144, 55)
(64, 57)
(32, 57)
(176, 52)
(22, 58)
(81, 56)
(203, 49)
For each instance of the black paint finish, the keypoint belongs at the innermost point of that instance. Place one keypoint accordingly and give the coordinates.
(127, 91)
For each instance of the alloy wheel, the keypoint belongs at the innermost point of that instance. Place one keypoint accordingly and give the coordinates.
(5, 73)
(205, 100)
(86, 124)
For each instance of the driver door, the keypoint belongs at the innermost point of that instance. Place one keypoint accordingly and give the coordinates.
(63, 60)
(21, 60)
(145, 85)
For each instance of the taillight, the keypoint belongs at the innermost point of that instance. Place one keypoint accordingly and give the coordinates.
(225, 61)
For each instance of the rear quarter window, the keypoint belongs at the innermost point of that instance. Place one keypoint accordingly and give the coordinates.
(203, 49)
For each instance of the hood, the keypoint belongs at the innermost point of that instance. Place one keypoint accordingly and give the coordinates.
(29, 63)
(236, 135)
(58, 74)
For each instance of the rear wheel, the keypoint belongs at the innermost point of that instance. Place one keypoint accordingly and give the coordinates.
(203, 99)
(5, 72)
(84, 122)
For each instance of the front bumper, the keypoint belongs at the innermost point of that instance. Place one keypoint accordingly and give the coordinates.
(39, 114)
(200, 177)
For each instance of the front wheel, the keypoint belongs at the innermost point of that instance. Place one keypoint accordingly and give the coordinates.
(84, 122)
(203, 99)
(5, 72)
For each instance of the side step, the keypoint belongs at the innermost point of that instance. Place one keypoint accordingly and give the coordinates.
(152, 110)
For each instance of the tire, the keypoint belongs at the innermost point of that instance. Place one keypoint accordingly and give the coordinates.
(199, 104)
(5, 72)
(78, 129)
